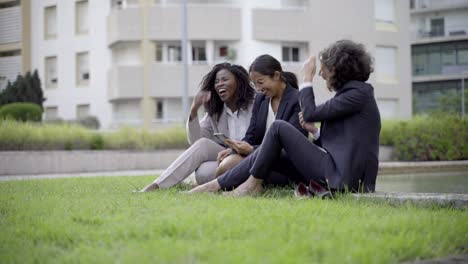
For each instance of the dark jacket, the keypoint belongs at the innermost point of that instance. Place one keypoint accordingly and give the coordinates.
(288, 110)
(349, 132)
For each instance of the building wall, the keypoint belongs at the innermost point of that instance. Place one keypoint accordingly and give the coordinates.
(124, 65)
(67, 95)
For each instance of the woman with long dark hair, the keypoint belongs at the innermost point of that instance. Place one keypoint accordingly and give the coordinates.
(276, 99)
(227, 96)
(345, 156)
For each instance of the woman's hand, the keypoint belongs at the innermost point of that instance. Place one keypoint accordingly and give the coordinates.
(309, 126)
(201, 98)
(309, 68)
(223, 154)
(241, 147)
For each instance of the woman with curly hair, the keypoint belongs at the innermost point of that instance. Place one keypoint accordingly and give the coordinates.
(345, 155)
(227, 96)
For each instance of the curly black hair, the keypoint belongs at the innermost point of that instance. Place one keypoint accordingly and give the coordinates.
(346, 60)
(244, 95)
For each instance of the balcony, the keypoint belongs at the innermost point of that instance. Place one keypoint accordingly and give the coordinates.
(164, 23)
(10, 25)
(125, 25)
(427, 6)
(440, 35)
(267, 27)
(126, 82)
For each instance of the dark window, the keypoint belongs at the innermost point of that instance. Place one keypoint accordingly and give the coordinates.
(223, 51)
(159, 110)
(437, 27)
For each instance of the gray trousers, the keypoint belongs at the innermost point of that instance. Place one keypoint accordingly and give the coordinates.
(199, 158)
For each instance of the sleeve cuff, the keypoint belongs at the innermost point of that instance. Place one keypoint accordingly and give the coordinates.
(316, 135)
(304, 85)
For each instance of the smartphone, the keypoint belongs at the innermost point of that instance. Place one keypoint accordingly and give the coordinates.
(220, 136)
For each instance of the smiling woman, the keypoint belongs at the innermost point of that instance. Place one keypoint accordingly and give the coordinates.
(227, 96)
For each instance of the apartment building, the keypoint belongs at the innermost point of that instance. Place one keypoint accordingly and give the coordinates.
(121, 60)
(14, 40)
(439, 41)
(68, 47)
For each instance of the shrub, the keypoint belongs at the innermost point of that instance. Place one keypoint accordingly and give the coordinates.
(21, 112)
(424, 138)
(36, 136)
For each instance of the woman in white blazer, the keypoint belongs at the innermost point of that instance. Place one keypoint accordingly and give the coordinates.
(228, 97)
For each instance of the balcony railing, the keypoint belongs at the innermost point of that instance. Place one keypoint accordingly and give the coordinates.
(441, 32)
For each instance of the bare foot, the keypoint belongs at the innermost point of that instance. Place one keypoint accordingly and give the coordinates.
(151, 187)
(212, 186)
(251, 186)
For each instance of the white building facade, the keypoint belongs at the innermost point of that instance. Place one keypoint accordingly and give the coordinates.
(121, 60)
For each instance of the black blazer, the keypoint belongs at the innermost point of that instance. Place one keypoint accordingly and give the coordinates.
(349, 132)
(288, 110)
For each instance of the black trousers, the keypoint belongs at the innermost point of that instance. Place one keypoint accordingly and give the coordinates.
(312, 162)
(282, 173)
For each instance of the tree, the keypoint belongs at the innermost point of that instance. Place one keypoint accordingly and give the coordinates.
(24, 89)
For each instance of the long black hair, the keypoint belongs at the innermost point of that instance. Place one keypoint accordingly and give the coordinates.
(244, 94)
(347, 61)
(267, 65)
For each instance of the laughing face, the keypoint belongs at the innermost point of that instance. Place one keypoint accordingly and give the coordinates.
(265, 84)
(226, 86)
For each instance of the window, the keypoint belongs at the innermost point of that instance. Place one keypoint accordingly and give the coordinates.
(419, 60)
(51, 78)
(437, 27)
(82, 68)
(51, 112)
(448, 55)
(174, 53)
(198, 53)
(384, 11)
(294, 52)
(385, 64)
(440, 95)
(159, 109)
(159, 51)
(82, 111)
(462, 54)
(81, 17)
(434, 60)
(222, 51)
(50, 22)
(291, 54)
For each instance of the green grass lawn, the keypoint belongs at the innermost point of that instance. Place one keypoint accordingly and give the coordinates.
(89, 220)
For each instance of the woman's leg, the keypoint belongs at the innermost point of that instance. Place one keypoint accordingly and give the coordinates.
(202, 150)
(206, 172)
(309, 160)
(229, 162)
(282, 173)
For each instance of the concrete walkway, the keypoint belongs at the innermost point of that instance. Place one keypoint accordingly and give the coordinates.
(425, 199)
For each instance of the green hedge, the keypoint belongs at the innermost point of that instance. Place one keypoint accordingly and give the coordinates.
(21, 112)
(424, 138)
(36, 136)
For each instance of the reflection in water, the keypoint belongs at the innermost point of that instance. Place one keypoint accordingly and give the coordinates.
(441, 182)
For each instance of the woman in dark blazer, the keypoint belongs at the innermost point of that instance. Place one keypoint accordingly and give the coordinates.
(277, 99)
(345, 157)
